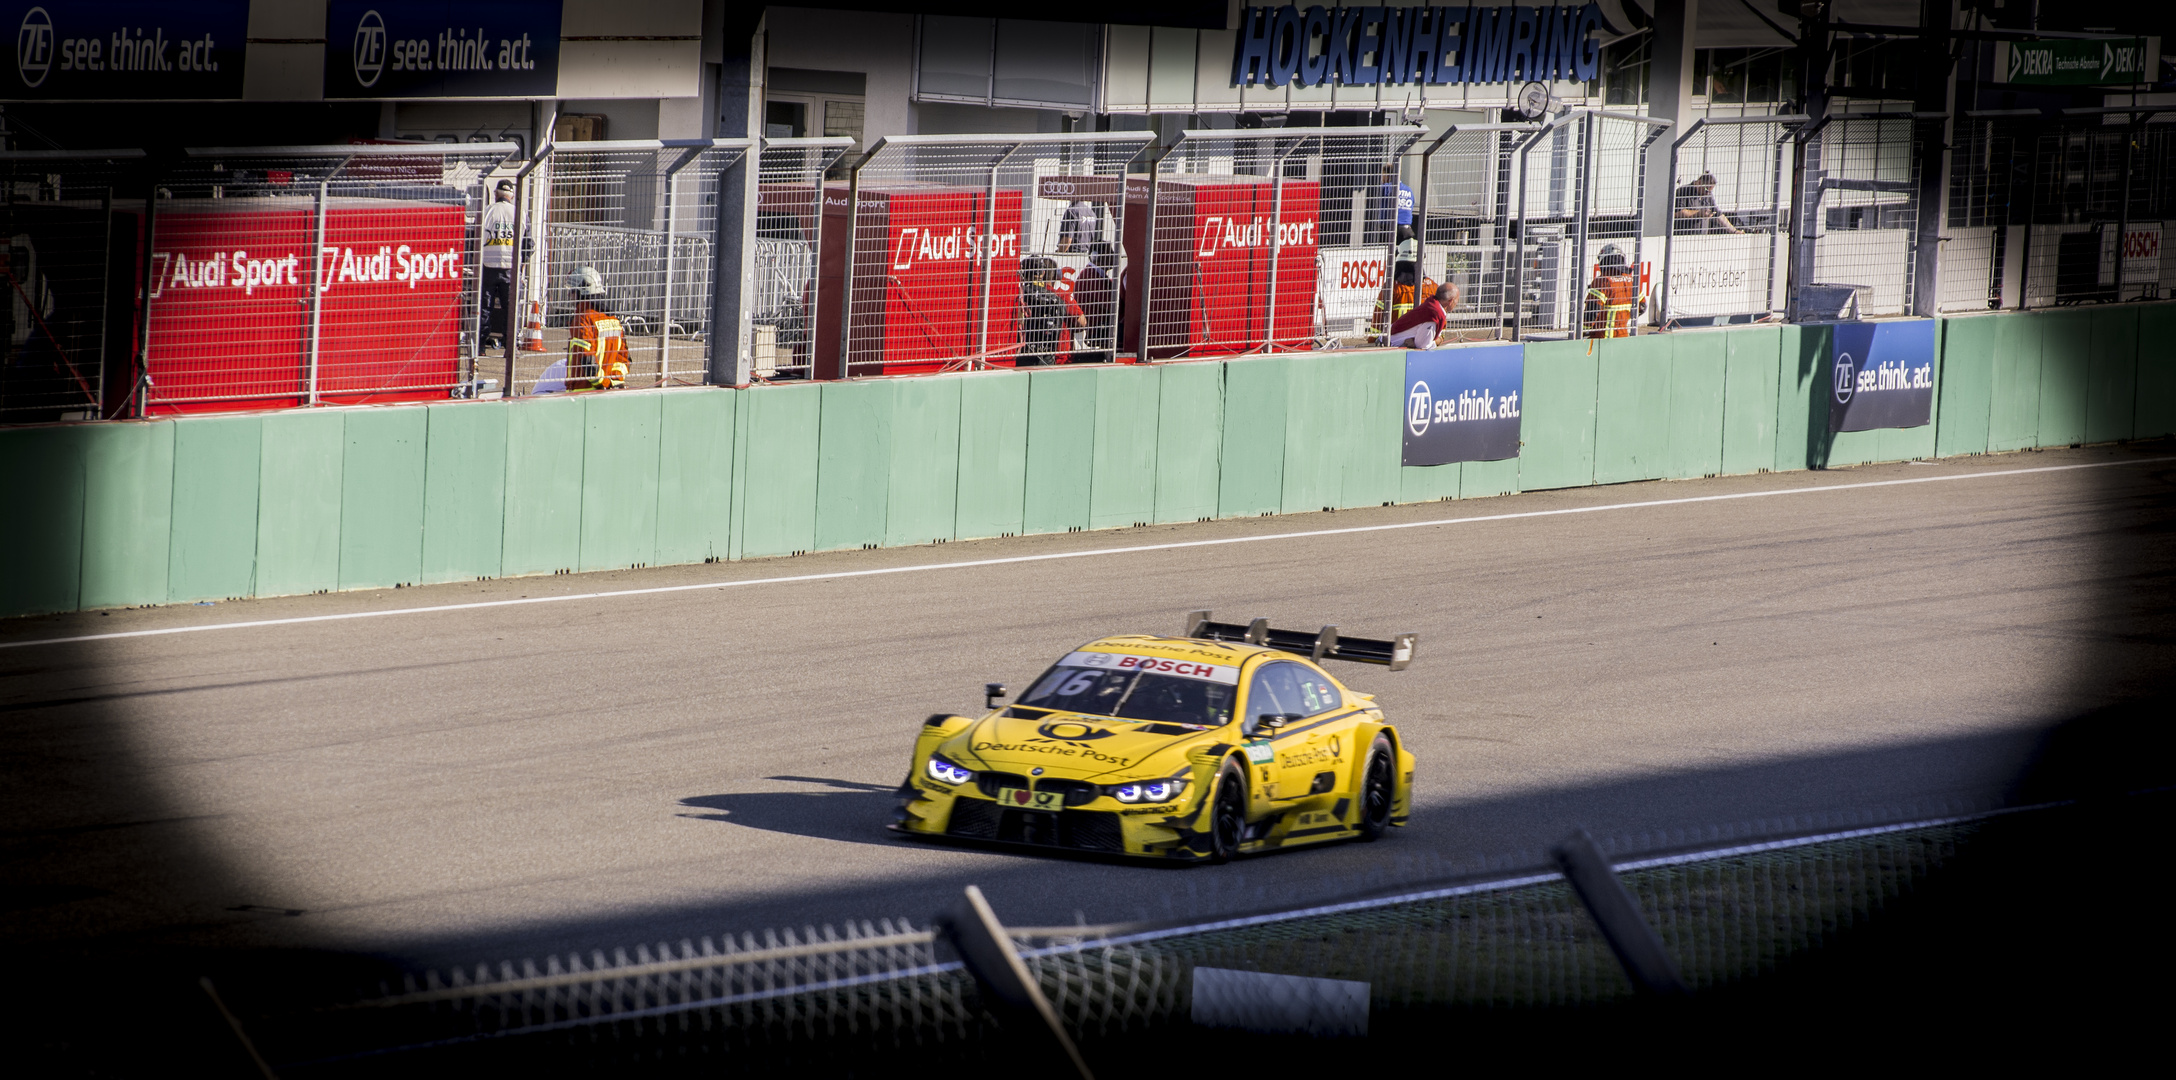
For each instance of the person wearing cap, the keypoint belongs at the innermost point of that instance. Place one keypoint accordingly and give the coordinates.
(1613, 297)
(597, 342)
(497, 228)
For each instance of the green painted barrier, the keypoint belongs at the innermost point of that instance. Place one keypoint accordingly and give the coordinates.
(853, 463)
(1122, 480)
(1631, 423)
(775, 470)
(464, 491)
(1061, 449)
(1557, 415)
(128, 505)
(619, 479)
(543, 485)
(43, 522)
(1698, 363)
(923, 501)
(1250, 466)
(381, 497)
(1749, 399)
(280, 503)
(213, 552)
(1189, 430)
(993, 454)
(1966, 388)
(695, 475)
(299, 482)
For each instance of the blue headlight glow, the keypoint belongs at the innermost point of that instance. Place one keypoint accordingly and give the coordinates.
(944, 772)
(1149, 791)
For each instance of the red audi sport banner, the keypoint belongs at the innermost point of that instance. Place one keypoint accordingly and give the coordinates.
(1212, 296)
(231, 302)
(923, 262)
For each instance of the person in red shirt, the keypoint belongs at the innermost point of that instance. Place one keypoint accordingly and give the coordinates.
(1417, 329)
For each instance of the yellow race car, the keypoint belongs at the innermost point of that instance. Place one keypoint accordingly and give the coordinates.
(1228, 740)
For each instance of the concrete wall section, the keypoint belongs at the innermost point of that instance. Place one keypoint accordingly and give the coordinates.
(208, 508)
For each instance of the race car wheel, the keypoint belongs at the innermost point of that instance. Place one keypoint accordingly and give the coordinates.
(1376, 790)
(1228, 816)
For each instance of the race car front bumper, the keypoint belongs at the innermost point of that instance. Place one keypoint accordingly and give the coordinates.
(1156, 831)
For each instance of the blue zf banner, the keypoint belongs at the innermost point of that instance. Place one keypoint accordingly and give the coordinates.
(1438, 46)
(441, 48)
(147, 50)
(1881, 375)
(1463, 404)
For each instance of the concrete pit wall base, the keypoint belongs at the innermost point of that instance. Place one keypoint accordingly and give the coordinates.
(215, 507)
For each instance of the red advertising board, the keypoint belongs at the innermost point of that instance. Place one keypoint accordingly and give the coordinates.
(924, 260)
(230, 305)
(1212, 295)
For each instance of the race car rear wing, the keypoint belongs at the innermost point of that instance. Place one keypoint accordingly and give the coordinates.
(1323, 644)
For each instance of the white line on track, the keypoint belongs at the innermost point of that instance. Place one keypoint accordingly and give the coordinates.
(1092, 553)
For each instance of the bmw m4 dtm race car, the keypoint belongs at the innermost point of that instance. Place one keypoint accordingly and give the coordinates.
(1228, 740)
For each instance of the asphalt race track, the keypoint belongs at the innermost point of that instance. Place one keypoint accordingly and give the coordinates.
(507, 781)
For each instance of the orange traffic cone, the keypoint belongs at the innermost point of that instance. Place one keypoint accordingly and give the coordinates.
(532, 336)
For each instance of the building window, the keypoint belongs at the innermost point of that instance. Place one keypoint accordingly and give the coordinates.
(1018, 63)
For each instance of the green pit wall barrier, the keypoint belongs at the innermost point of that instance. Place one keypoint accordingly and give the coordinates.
(211, 508)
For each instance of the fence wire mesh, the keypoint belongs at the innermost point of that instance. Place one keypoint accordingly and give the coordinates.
(2099, 197)
(72, 222)
(1858, 202)
(300, 276)
(1727, 249)
(789, 236)
(617, 290)
(1467, 196)
(867, 992)
(1243, 222)
(973, 251)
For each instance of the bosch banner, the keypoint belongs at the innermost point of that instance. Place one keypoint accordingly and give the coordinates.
(1437, 46)
(1351, 284)
(145, 50)
(1462, 404)
(232, 316)
(441, 48)
(1881, 375)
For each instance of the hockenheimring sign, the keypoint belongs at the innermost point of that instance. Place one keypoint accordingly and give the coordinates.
(1440, 46)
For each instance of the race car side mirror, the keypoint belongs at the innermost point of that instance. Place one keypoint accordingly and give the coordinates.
(990, 693)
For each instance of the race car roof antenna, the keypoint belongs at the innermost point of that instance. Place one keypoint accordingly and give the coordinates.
(1323, 644)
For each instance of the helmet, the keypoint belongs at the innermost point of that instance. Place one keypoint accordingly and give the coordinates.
(1612, 260)
(587, 283)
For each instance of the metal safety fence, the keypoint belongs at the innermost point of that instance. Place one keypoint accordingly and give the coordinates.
(968, 251)
(73, 221)
(845, 997)
(1241, 224)
(281, 276)
(1728, 246)
(1856, 245)
(618, 245)
(784, 284)
(2101, 192)
(1581, 265)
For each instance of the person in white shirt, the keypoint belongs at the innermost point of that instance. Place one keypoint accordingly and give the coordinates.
(497, 228)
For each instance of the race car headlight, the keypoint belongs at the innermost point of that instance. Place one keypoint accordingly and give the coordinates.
(1148, 791)
(944, 772)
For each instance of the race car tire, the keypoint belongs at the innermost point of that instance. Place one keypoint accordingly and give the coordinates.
(1377, 790)
(1228, 814)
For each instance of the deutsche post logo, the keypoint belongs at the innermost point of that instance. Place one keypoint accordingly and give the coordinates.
(369, 49)
(1072, 731)
(34, 47)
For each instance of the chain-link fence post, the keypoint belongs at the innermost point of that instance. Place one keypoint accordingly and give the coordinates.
(1750, 159)
(1462, 189)
(784, 292)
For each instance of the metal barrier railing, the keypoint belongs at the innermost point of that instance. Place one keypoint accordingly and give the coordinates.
(1466, 209)
(1579, 208)
(1726, 250)
(1239, 219)
(1857, 209)
(973, 250)
(71, 219)
(315, 274)
(784, 285)
(2098, 203)
(619, 292)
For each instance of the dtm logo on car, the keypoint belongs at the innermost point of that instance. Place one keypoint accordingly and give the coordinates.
(927, 245)
(1220, 233)
(402, 264)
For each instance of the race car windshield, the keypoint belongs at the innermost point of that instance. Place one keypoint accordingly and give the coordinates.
(1133, 695)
